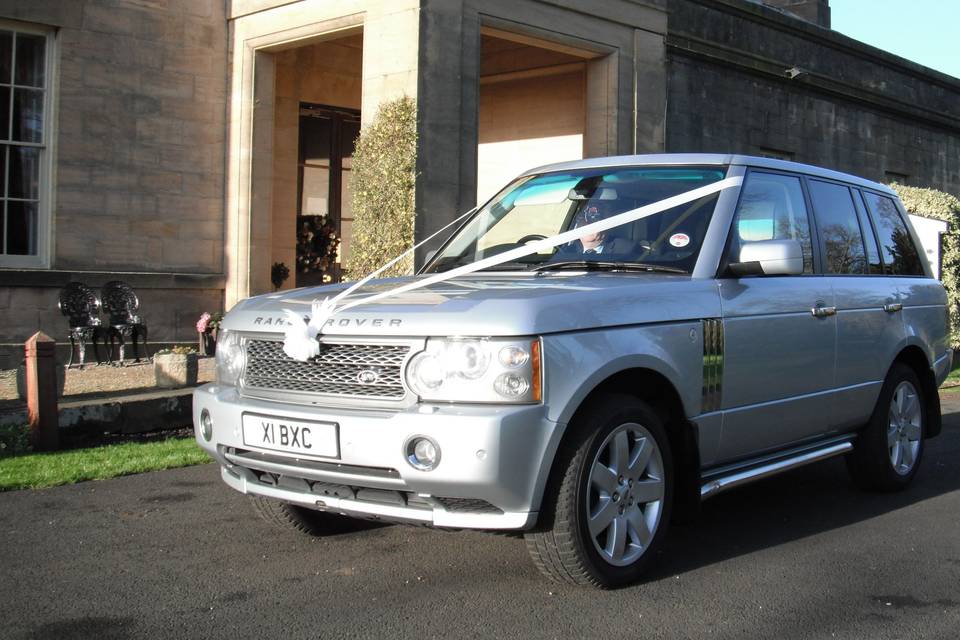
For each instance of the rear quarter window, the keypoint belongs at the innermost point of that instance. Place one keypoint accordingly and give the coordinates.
(839, 228)
(900, 255)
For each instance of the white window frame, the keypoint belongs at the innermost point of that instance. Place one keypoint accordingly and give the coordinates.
(47, 147)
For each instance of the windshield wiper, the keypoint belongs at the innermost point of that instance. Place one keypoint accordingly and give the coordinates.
(513, 265)
(605, 265)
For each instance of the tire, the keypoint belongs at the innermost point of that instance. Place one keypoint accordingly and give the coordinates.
(301, 519)
(887, 452)
(630, 504)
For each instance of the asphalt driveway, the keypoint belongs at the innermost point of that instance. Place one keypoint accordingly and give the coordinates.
(178, 555)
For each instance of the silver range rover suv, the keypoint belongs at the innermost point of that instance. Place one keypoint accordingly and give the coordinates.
(729, 318)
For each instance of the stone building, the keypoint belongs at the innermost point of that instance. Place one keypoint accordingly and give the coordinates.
(180, 145)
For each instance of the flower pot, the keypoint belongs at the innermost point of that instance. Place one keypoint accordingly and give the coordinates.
(172, 370)
(207, 342)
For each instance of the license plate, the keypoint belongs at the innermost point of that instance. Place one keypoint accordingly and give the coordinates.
(291, 436)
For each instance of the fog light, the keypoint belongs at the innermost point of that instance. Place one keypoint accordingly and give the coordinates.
(206, 425)
(423, 453)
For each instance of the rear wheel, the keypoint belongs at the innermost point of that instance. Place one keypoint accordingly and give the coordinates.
(611, 497)
(887, 453)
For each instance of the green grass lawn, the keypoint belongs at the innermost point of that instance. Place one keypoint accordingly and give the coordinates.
(953, 378)
(37, 470)
(952, 383)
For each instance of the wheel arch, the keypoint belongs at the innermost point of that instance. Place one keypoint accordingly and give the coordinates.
(914, 356)
(655, 388)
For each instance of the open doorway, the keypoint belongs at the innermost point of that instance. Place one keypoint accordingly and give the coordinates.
(318, 88)
(533, 106)
(324, 218)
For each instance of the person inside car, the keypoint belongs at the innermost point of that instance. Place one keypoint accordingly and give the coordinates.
(605, 245)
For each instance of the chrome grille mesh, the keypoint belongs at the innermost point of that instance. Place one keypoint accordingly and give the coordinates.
(334, 372)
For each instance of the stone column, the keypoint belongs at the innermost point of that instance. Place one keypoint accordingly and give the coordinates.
(447, 98)
(650, 87)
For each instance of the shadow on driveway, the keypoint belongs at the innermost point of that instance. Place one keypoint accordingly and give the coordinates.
(805, 502)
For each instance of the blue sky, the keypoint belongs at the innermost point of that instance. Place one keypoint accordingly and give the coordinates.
(925, 31)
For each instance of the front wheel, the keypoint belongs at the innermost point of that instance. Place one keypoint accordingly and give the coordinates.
(887, 452)
(611, 498)
(294, 517)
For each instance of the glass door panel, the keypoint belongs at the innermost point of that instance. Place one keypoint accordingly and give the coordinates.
(324, 222)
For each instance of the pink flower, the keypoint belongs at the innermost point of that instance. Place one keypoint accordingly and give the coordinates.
(203, 322)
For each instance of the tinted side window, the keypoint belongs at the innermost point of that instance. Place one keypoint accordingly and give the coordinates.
(839, 229)
(772, 208)
(900, 256)
(873, 252)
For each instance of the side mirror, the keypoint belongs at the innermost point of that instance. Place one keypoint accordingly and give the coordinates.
(769, 258)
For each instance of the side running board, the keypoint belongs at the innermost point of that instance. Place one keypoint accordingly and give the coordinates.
(737, 478)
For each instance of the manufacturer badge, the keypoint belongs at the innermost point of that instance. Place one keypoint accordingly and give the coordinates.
(368, 376)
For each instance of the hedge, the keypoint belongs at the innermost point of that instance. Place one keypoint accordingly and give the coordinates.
(384, 175)
(942, 206)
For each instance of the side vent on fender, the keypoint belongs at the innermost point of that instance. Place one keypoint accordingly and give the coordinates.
(712, 364)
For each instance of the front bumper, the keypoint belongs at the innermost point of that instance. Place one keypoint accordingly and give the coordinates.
(487, 478)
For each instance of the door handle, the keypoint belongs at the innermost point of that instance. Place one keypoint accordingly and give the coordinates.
(821, 311)
(892, 307)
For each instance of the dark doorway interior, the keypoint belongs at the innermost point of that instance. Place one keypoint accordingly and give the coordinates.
(324, 218)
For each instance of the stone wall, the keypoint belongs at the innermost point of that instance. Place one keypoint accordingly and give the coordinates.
(748, 79)
(815, 11)
(139, 160)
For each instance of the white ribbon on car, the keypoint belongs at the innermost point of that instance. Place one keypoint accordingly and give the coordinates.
(300, 337)
(300, 341)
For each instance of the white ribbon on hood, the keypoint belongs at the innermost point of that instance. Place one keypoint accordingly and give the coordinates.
(300, 342)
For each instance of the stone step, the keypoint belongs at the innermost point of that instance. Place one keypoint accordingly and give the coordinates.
(154, 410)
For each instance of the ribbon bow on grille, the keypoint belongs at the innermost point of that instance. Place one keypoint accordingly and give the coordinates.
(300, 337)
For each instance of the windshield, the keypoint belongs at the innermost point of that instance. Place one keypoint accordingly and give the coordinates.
(542, 206)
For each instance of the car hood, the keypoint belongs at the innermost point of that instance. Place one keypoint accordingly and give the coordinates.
(494, 305)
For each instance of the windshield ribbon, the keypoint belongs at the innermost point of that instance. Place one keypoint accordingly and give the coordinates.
(301, 331)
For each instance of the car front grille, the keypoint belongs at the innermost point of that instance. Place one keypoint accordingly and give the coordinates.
(335, 372)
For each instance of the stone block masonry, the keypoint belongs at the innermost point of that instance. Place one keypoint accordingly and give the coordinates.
(139, 147)
(847, 106)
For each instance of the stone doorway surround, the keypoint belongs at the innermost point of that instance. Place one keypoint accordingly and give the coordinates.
(430, 50)
(624, 52)
(259, 29)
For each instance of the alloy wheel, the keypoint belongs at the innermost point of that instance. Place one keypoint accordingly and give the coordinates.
(904, 428)
(625, 491)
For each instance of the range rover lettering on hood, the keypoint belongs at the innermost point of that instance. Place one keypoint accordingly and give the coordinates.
(339, 322)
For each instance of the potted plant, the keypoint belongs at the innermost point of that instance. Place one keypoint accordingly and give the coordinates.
(317, 247)
(207, 327)
(175, 367)
(279, 273)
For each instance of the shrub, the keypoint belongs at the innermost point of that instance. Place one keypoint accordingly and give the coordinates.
(384, 175)
(14, 439)
(942, 206)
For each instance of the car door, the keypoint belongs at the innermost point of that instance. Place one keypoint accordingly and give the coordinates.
(779, 331)
(869, 318)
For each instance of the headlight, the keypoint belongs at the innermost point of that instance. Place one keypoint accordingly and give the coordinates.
(477, 370)
(230, 358)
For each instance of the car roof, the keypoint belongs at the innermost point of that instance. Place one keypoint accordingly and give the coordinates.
(701, 159)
